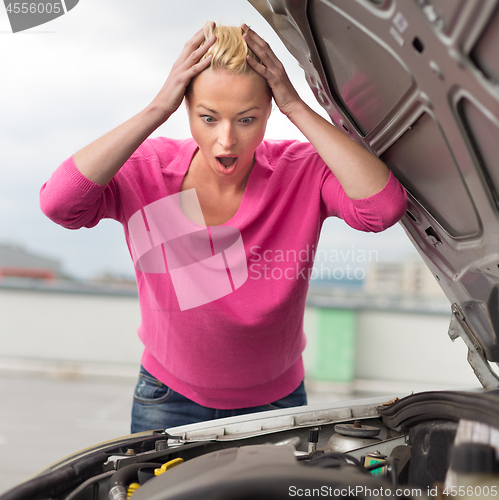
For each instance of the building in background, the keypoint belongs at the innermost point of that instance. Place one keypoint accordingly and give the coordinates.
(17, 262)
(408, 278)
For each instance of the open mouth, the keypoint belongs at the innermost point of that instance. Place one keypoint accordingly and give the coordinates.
(226, 161)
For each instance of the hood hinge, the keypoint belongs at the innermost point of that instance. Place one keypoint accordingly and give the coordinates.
(476, 358)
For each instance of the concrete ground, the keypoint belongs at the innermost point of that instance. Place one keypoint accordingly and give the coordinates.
(43, 419)
(45, 416)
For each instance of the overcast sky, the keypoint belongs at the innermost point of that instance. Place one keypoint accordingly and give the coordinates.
(65, 83)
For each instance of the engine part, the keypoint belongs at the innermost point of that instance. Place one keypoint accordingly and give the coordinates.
(349, 437)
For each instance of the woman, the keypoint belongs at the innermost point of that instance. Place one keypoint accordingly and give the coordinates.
(222, 227)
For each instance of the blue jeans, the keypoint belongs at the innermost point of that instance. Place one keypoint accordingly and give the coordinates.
(156, 406)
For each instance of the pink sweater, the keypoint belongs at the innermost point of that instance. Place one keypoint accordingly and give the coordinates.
(222, 307)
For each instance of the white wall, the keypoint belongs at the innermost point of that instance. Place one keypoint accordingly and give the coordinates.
(53, 326)
(402, 347)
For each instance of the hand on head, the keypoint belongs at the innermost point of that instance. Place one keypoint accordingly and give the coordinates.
(187, 66)
(272, 70)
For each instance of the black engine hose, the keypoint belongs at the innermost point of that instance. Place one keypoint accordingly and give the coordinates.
(89, 482)
(55, 481)
(124, 476)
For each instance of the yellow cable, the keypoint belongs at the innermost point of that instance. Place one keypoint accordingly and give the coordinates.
(132, 489)
(168, 465)
(172, 463)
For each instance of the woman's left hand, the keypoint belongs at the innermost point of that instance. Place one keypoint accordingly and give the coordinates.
(273, 71)
(359, 172)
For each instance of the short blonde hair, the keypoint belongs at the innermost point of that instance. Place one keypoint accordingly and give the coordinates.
(229, 50)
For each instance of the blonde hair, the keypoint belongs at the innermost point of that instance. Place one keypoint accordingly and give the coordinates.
(229, 50)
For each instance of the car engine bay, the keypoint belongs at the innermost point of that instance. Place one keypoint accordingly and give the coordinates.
(421, 446)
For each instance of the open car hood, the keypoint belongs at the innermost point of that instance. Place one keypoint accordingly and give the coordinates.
(417, 83)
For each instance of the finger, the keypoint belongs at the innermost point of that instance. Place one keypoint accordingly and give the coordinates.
(263, 52)
(199, 67)
(187, 74)
(267, 60)
(255, 38)
(187, 60)
(196, 43)
(200, 51)
(260, 69)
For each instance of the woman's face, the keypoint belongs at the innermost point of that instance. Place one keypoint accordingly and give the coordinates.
(228, 115)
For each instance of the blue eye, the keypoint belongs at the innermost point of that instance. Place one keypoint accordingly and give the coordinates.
(247, 120)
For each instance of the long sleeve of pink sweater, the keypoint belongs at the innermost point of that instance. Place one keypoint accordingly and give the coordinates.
(222, 307)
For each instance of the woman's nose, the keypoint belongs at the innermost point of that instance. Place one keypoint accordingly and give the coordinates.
(227, 137)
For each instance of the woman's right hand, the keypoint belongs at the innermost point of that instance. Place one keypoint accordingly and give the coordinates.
(101, 160)
(186, 67)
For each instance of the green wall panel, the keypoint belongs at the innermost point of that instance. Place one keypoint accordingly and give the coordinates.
(335, 342)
